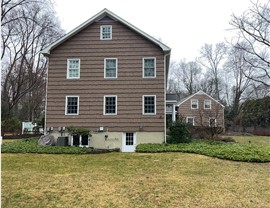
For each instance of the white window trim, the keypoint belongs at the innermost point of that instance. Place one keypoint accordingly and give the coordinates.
(72, 114)
(143, 105)
(193, 123)
(116, 73)
(80, 141)
(191, 103)
(104, 105)
(72, 59)
(215, 121)
(155, 69)
(101, 27)
(210, 104)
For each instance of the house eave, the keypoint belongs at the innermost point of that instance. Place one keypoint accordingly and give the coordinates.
(105, 12)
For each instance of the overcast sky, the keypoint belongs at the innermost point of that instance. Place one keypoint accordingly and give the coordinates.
(183, 25)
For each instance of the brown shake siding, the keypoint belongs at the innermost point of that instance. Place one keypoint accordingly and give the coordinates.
(129, 48)
(201, 116)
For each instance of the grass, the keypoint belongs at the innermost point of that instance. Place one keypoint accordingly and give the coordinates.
(132, 180)
(260, 140)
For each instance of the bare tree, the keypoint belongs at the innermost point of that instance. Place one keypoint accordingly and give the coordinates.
(212, 59)
(235, 67)
(184, 78)
(175, 84)
(27, 27)
(191, 73)
(254, 38)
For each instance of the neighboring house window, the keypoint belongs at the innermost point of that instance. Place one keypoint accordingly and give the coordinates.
(190, 120)
(73, 68)
(110, 105)
(149, 67)
(212, 122)
(194, 104)
(110, 68)
(72, 105)
(106, 32)
(149, 104)
(207, 104)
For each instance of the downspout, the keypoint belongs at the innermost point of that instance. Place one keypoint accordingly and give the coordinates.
(46, 91)
(165, 90)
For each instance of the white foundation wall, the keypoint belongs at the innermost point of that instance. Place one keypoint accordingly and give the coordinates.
(114, 139)
(99, 141)
(111, 140)
(150, 137)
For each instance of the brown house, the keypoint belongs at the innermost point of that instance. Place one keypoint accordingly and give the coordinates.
(200, 109)
(110, 77)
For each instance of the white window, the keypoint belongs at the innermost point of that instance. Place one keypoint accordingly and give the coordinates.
(194, 104)
(110, 105)
(149, 104)
(73, 68)
(190, 120)
(72, 105)
(212, 122)
(105, 32)
(149, 67)
(110, 68)
(80, 140)
(207, 104)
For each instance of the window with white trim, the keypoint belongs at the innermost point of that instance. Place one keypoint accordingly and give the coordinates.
(110, 105)
(79, 140)
(212, 122)
(129, 138)
(149, 104)
(194, 104)
(73, 68)
(105, 32)
(149, 67)
(110, 68)
(207, 104)
(190, 120)
(72, 105)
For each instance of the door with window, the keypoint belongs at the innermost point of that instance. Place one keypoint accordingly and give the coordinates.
(129, 142)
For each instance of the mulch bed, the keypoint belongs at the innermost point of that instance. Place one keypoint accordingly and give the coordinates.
(102, 151)
(20, 136)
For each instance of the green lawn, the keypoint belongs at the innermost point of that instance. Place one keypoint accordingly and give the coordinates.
(261, 140)
(132, 180)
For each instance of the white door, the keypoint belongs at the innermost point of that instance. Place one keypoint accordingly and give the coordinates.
(128, 142)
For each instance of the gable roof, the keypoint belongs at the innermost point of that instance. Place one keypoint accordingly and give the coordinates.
(105, 12)
(197, 93)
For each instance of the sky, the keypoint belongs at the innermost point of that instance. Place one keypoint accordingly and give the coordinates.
(183, 25)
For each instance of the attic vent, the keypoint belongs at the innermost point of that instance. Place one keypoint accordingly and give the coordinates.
(106, 19)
